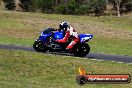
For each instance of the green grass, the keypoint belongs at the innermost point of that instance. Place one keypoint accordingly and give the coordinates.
(112, 35)
(111, 45)
(15, 41)
(20, 69)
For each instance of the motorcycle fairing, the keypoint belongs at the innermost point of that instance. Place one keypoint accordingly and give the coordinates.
(43, 36)
(85, 37)
(58, 35)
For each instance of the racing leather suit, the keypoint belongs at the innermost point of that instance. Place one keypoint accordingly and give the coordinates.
(72, 34)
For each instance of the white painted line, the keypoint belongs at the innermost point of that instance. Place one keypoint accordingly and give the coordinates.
(93, 59)
(100, 60)
(66, 56)
(120, 62)
(113, 61)
(110, 61)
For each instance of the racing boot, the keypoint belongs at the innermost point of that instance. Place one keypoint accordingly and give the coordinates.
(69, 50)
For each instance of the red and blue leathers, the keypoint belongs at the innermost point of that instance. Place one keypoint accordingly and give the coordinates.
(72, 34)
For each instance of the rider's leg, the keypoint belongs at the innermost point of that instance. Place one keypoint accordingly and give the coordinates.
(70, 46)
(74, 42)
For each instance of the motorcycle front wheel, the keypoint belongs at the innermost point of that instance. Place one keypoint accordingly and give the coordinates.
(39, 46)
(81, 50)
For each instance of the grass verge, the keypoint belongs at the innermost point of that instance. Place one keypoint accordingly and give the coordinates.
(20, 69)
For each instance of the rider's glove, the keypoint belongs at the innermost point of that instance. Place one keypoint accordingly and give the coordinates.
(53, 29)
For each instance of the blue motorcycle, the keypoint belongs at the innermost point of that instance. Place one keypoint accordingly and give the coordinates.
(45, 43)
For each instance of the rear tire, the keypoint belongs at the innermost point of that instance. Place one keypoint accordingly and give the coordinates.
(81, 50)
(39, 46)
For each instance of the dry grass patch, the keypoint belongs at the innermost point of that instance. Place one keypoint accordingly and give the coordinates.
(103, 31)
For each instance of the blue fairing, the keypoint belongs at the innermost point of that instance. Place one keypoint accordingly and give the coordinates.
(43, 36)
(85, 37)
(58, 35)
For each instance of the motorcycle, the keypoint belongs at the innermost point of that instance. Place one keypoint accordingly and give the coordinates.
(45, 43)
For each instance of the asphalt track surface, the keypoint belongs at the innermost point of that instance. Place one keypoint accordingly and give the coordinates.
(93, 56)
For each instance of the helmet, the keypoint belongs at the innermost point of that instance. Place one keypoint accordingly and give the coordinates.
(63, 25)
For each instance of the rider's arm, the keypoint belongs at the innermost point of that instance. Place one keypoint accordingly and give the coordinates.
(65, 38)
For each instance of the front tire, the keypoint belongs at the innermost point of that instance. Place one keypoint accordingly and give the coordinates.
(39, 46)
(81, 50)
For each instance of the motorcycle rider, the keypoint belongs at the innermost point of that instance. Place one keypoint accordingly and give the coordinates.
(70, 33)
